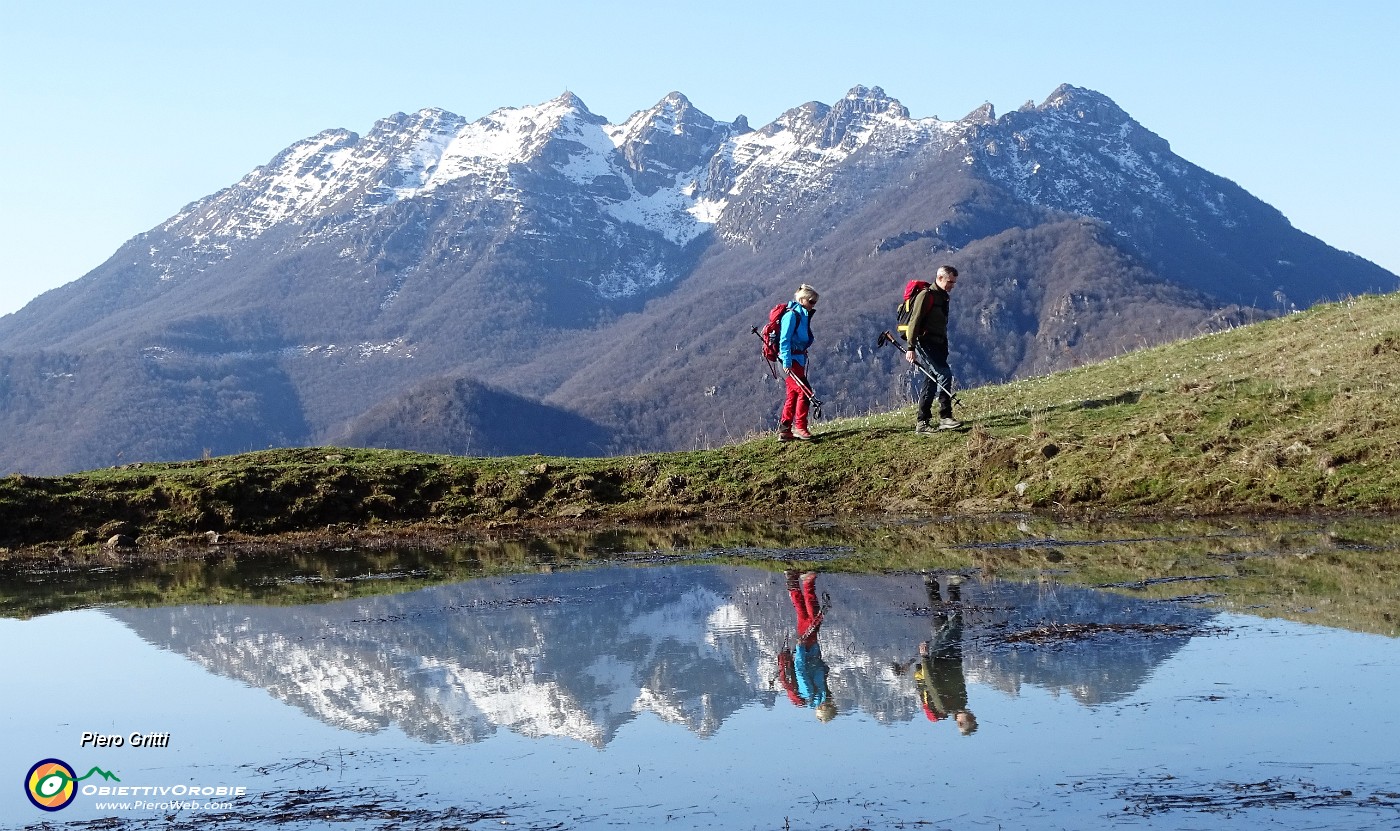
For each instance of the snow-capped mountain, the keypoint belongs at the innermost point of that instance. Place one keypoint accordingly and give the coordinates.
(609, 273)
(670, 170)
(639, 176)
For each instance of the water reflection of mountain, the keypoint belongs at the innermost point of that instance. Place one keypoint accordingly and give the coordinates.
(580, 653)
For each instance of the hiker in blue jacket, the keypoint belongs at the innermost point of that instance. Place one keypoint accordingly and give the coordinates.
(801, 668)
(793, 342)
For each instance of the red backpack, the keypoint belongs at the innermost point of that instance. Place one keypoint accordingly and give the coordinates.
(771, 332)
(905, 312)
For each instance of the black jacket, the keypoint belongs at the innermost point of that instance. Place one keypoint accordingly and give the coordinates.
(929, 322)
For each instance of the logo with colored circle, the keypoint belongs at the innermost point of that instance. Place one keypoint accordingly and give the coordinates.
(51, 785)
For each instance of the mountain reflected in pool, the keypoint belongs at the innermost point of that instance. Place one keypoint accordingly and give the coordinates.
(580, 654)
(726, 693)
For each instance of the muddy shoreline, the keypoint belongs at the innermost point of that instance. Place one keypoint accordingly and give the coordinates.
(121, 549)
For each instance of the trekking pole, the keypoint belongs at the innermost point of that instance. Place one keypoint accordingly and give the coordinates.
(801, 384)
(822, 608)
(771, 369)
(885, 337)
(952, 396)
(807, 391)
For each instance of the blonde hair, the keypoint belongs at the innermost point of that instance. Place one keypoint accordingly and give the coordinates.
(805, 292)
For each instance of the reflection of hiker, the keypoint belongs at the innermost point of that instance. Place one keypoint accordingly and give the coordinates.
(938, 671)
(795, 338)
(927, 332)
(944, 591)
(801, 668)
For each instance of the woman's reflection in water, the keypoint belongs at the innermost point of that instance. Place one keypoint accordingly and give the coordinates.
(801, 668)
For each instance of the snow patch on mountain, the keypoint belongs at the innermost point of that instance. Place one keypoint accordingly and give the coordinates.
(686, 619)
(400, 348)
(1079, 152)
(408, 156)
(483, 151)
(673, 172)
(799, 155)
(627, 282)
(521, 703)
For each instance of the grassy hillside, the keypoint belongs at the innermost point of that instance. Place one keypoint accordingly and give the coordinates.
(1295, 414)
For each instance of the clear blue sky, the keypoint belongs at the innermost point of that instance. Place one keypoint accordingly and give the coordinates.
(117, 114)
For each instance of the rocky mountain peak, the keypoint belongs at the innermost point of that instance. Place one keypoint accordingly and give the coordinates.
(426, 119)
(670, 139)
(799, 120)
(847, 123)
(872, 101)
(857, 114)
(985, 114)
(675, 98)
(1084, 105)
(673, 114)
(567, 100)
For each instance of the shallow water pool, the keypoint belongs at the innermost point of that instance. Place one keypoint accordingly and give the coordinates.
(702, 696)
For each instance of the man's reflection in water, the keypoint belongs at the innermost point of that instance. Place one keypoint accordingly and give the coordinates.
(801, 668)
(938, 671)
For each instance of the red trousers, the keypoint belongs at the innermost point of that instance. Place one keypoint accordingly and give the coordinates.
(809, 612)
(796, 404)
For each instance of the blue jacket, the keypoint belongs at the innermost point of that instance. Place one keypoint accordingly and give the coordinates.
(810, 669)
(796, 335)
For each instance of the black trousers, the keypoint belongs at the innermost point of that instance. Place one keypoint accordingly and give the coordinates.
(936, 363)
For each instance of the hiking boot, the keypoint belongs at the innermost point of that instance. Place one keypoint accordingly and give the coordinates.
(923, 427)
(949, 424)
(785, 435)
(801, 433)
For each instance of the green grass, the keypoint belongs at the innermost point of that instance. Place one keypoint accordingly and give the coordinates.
(1290, 415)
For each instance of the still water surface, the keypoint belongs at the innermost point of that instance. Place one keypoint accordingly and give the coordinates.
(694, 697)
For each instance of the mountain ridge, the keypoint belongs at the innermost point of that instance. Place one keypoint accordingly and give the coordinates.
(614, 270)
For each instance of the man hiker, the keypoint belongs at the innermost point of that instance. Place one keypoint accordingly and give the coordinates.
(938, 671)
(793, 342)
(928, 337)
